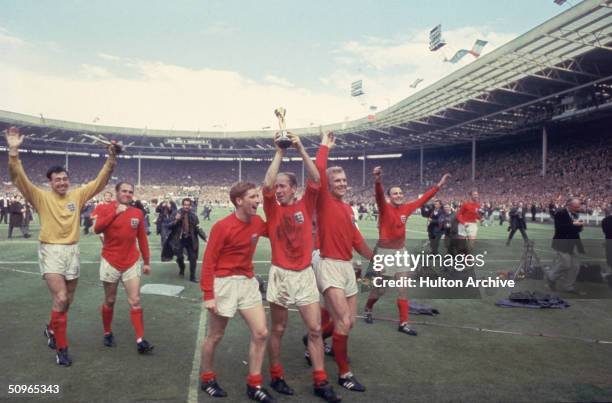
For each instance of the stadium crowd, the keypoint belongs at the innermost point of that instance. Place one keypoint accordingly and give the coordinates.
(505, 176)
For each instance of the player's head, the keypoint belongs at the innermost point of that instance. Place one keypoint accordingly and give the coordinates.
(338, 184)
(574, 204)
(58, 179)
(108, 196)
(396, 195)
(124, 193)
(186, 204)
(437, 203)
(285, 187)
(245, 197)
(474, 196)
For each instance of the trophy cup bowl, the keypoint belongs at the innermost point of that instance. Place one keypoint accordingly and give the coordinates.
(283, 141)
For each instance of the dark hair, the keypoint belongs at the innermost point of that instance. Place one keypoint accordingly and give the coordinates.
(292, 178)
(186, 199)
(239, 189)
(391, 187)
(56, 169)
(118, 186)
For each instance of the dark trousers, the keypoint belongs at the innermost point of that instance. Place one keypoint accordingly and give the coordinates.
(523, 234)
(22, 228)
(192, 256)
(434, 240)
(3, 216)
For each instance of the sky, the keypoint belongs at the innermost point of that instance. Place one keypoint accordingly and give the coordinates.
(226, 65)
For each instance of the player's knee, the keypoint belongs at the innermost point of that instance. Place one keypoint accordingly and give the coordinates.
(260, 335)
(61, 300)
(110, 301)
(134, 301)
(344, 323)
(279, 328)
(314, 331)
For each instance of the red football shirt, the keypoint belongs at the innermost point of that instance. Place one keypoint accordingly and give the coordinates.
(230, 249)
(290, 228)
(336, 228)
(468, 213)
(392, 219)
(120, 234)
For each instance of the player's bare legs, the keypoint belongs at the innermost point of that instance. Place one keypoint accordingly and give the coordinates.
(256, 321)
(311, 315)
(214, 334)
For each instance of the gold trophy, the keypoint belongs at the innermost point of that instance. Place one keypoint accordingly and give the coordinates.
(283, 141)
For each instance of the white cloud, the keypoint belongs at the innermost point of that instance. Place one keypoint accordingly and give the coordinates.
(166, 96)
(106, 56)
(95, 71)
(388, 66)
(9, 40)
(272, 79)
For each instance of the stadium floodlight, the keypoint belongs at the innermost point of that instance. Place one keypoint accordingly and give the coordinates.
(435, 38)
(357, 88)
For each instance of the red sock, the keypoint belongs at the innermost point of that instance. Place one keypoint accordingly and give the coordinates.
(277, 371)
(340, 345)
(319, 377)
(327, 330)
(324, 316)
(254, 380)
(59, 321)
(370, 303)
(207, 376)
(107, 318)
(137, 322)
(404, 307)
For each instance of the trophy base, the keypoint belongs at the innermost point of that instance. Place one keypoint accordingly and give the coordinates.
(284, 142)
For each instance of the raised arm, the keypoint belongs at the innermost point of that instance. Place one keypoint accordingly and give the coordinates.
(379, 192)
(328, 141)
(272, 171)
(309, 166)
(16, 172)
(94, 187)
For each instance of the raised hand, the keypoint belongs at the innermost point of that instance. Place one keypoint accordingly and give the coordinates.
(377, 172)
(443, 180)
(13, 139)
(295, 141)
(329, 140)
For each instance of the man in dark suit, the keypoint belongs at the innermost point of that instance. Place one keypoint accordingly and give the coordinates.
(16, 216)
(566, 241)
(534, 210)
(606, 226)
(184, 237)
(517, 222)
(433, 227)
(4, 203)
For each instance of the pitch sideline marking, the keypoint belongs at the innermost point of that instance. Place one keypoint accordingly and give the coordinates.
(194, 379)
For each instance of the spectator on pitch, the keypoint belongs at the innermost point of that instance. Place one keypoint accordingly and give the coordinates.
(86, 217)
(123, 225)
(392, 241)
(4, 203)
(17, 216)
(228, 285)
(164, 210)
(185, 230)
(206, 211)
(58, 211)
(338, 235)
(606, 226)
(447, 224)
(534, 210)
(433, 226)
(517, 222)
(503, 214)
(566, 241)
(468, 217)
(291, 280)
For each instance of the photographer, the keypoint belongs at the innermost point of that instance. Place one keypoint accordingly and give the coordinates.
(183, 236)
(433, 227)
(517, 222)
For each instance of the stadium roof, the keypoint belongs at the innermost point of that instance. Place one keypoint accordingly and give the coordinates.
(561, 69)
